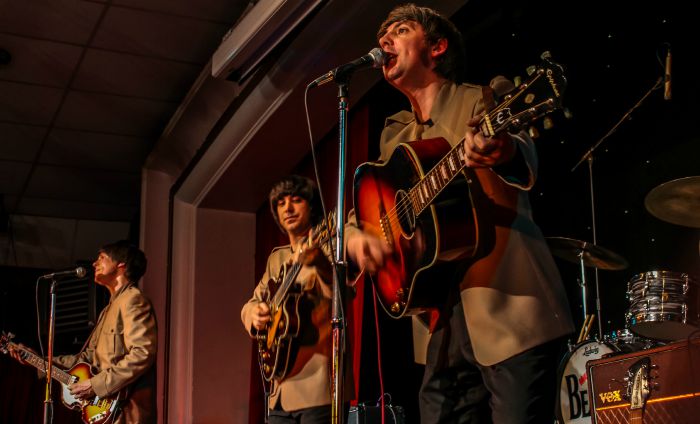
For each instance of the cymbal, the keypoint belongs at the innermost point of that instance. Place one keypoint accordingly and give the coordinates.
(593, 255)
(676, 201)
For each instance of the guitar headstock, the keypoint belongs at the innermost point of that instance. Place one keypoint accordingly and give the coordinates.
(541, 94)
(638, 389)
(324, 230)
(5, 340)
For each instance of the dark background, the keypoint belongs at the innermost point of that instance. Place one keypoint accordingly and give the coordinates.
(613, 53)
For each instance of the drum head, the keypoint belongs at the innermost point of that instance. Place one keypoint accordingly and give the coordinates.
(573, 399)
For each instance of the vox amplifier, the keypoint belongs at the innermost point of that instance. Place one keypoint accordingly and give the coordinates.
(653, 386)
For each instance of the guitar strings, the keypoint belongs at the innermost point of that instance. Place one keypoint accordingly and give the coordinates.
(404, 205)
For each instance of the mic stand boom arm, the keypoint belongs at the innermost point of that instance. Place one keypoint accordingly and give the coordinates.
(589, 157)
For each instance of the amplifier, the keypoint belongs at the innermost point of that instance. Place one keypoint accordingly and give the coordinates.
(366, 414)
(653, 386)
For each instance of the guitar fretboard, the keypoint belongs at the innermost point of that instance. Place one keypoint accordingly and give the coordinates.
(42, 365)
(423, 193)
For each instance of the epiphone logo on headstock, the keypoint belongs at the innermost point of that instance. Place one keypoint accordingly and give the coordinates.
(609, 397)
(502, 116)
(553, 83)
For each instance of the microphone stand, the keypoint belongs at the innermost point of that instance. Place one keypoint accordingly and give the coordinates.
(48, 401)
(337, 308)
(589, 157)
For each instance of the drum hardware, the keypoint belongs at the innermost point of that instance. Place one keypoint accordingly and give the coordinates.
(586, 255)
(676, 201)
(588, 157)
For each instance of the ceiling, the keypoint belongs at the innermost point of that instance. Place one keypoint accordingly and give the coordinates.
(88, 91)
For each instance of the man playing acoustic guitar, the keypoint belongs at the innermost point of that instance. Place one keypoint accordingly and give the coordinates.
(122, 346)
(289, 313)
(493, 349)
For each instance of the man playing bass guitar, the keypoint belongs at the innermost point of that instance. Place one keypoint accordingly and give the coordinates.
(122, 346)
(492, 352)
(289, 313)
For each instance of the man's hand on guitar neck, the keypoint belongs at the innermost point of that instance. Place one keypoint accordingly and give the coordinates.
(487, 152)
(368, 252)
(16, 353)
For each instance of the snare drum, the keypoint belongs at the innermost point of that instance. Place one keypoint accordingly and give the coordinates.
(573, 399)
(663, 305)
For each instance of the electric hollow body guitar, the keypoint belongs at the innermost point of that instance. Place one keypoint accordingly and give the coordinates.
(419, 200)
(276, 341)
(93, 411)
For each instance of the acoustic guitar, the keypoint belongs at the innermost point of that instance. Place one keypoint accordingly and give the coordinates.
(419, 201)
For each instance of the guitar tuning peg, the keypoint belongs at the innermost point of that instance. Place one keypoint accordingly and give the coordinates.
(547, 123)
(532, 132)
(517, 80)
(531, 69)
(546, 55)
(567, 113)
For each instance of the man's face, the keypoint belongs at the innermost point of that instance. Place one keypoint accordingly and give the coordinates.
(106, 269)
(294, 214)
(408, 54)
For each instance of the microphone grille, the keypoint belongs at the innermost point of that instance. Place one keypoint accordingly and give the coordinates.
(80, 272)
(378, 57)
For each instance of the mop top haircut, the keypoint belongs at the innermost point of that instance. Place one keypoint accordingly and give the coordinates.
(452, 64)
(131, 256)
(295, 185)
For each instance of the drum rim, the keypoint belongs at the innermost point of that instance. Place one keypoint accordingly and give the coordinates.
(663, 273)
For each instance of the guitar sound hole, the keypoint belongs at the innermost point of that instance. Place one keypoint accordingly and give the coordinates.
(405, 214)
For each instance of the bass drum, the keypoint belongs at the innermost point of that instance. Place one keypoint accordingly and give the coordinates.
(573, 399)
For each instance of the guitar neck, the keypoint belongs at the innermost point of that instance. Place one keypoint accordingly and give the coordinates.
(289, 278)
(39, 363)
(636, 416)
(533, 99)
(423, 193)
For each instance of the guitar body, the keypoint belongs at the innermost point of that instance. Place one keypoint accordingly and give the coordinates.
(96, 411)
(93, 411)
(275, 343)
(425, 245)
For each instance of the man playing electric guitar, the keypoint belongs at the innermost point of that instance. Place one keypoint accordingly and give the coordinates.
(122, 346)
(300, 381)
(492, 352)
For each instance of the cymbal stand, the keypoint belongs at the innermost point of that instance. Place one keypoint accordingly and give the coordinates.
(588, 156)
(584, 291)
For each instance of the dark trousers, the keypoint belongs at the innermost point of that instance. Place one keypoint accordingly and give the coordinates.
(456, 389)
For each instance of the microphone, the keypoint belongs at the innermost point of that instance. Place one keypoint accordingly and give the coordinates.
(667, 76)
(374, 59)
(78, 272)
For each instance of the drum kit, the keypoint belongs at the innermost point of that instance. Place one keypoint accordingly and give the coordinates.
(664, 306)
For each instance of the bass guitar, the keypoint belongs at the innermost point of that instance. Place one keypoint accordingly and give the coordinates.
(93, 411)
(419, 201)
(276, 341)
